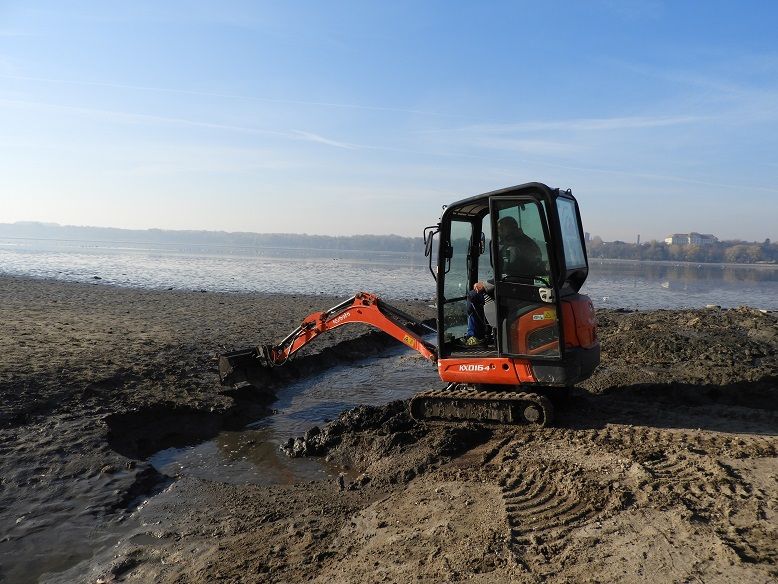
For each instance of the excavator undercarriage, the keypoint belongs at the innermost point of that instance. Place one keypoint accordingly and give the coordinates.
(464, 403)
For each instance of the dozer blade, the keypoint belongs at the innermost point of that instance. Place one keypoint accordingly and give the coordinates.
(242, 367)
(462, 404)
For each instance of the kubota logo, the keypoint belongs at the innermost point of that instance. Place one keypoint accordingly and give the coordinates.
(474, 368)
(341, 318)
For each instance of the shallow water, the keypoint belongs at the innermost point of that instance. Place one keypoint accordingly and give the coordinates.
(57, 519)
(253, 455)
(611, 284)
(225, 270)
(654, 285)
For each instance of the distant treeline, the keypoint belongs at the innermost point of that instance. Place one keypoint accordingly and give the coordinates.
(735, 252)
(32, 230)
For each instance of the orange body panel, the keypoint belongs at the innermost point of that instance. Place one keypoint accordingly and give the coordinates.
(521, 329)
(579, 320)
(486, 370)
(580, 330)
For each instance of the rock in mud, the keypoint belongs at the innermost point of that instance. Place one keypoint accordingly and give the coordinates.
(392, 419)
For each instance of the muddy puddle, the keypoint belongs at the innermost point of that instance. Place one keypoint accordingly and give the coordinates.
(252, 455)
(248, 456)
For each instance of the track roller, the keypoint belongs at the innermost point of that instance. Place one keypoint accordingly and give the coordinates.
(463, 403)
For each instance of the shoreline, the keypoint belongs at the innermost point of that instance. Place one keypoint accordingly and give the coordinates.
(680, 419)
(419, 252)
(683, 264)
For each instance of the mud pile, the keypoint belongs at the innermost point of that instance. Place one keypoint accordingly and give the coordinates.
(366, 436)
(698, 347)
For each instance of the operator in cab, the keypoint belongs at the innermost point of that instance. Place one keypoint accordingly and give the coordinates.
(520, 257)
(519, 253)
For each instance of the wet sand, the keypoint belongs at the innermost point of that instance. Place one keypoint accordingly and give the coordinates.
(662, 466)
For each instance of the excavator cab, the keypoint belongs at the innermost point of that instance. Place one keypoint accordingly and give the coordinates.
(525, 245)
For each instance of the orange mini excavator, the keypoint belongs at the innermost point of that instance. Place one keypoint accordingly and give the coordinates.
(537, 332)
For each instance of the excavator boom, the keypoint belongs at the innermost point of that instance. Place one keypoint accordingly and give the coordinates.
(236, 367)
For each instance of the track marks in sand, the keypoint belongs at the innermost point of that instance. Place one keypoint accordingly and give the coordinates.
(733, 492)
(708, 490)
(736, 498)
(621, 437)
(562, 488)
(543, 505)
(749, 516)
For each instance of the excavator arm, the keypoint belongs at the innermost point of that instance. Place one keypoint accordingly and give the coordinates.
(235, 367)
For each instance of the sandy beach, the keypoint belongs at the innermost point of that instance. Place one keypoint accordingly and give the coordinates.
(660, 467)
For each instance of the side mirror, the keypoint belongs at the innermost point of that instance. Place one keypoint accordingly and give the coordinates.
(429, 237)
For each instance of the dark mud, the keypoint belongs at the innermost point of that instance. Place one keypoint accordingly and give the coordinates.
(363, 437)
(94, 379)
(662, 466)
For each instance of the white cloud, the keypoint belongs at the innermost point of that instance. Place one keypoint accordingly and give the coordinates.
(131, 117)
(224, 95)
(579, 124)
(311, 137)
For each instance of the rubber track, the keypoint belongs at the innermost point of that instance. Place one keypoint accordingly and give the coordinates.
(471, 394)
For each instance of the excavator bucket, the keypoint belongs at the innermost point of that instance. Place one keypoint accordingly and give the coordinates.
(243, 367)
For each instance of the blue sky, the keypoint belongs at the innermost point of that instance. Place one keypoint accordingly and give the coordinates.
(366, 117)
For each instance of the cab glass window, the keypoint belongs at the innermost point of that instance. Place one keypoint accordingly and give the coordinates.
(522, 251)
(486, 261)
(457, 277)
(571, 236)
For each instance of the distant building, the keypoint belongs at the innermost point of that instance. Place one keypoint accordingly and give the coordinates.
(692, 238)
(702, 239)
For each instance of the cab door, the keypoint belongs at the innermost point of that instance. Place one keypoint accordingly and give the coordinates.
(527, 301)
(454, 279)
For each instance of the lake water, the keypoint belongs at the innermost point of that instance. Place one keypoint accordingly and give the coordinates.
(614, 284)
